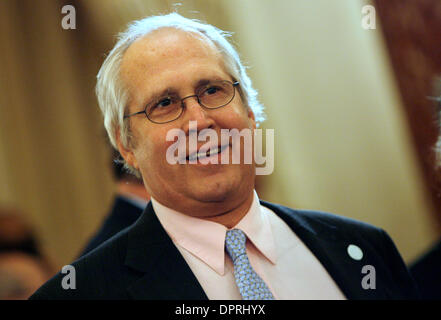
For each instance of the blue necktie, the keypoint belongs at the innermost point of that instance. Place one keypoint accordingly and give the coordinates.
(251, 286)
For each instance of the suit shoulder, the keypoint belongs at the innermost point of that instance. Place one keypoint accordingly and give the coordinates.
(323, 227)
(323, 222)
(88, 277)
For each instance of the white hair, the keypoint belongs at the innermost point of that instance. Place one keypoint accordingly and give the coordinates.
(113, 96)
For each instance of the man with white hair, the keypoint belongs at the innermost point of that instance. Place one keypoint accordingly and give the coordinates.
(205, 234)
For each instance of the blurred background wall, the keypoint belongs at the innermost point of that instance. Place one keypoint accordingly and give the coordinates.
(344, 142)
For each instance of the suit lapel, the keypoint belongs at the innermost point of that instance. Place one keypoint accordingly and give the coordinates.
(329, 244)
(165, 274)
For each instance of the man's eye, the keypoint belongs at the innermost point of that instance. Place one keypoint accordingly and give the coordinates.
(211, 90)
(164, 103)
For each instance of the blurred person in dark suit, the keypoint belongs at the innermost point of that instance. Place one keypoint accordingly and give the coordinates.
(205, 225)
(20, 275)
(129, 203)
(426, 269)
(23, 268)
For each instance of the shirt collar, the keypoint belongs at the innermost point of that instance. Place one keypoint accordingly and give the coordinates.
(257, 227)
(206, 239)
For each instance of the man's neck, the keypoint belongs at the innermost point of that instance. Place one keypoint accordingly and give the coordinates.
(132, 189)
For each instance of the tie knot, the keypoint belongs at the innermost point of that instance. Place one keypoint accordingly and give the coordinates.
(235, 243)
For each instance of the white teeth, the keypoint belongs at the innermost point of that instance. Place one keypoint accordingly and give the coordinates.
(215, 151)
(204, 154)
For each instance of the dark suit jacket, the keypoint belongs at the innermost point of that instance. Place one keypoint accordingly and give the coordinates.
(122, 215)
(141, 262)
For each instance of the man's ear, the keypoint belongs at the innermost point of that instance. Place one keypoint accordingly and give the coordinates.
(252, 117)
(126, 153)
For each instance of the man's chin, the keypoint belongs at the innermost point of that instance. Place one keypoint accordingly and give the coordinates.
(219, 187)
(212, 196)
(207, 192)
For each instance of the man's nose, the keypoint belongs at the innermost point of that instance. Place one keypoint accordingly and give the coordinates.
(193, 111)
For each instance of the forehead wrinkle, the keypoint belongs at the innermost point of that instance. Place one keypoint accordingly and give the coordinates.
(170, 37)
(169, 43)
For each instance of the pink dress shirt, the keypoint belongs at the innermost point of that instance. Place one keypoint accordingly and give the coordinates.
(277, 255)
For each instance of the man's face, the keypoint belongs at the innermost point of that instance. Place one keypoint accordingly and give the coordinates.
(178, 61)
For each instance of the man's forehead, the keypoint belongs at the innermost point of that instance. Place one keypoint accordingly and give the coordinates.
(168, 43)
(160, 53)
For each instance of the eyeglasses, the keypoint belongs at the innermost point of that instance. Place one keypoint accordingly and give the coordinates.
(213, 95)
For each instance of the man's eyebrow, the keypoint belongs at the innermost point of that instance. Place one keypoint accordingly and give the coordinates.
(172, 90)
(206, 81)
(203, 82)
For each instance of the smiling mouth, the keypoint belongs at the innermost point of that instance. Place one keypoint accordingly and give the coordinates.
(206, 154)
